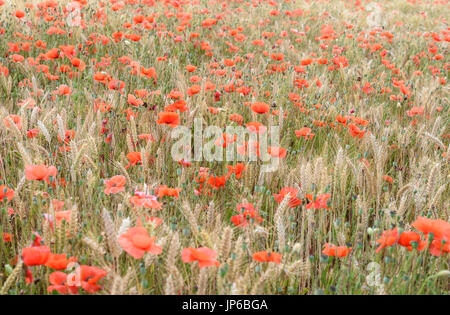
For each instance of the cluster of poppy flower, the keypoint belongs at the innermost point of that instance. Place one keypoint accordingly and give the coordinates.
(437, 238)
(84, 276)
(206, 181)
(170, 116)
(437, 235)
(136, 242)
(315, 202)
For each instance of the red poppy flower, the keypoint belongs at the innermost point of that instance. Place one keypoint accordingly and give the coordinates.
(439, 228)
(338, 251)
(205, 256)
(260, 107)
(171, 119)
(35, 255)
(247, 214)
(58, 281)
(320, 202)
(137, 242)
(265, 256)
(195, 89)
(407, 237)
(293, 200)
(304, 132)
(355, 131)
(141, 199)
(32, 133)
(191, 68)
(16, 119)
(19, 14)
(115, 184)
(388, 238)
(6, 193)
(237, 169)
(90, 275)
(58, 261)
(134, 158)
(163, 190)
(39, 172)
(277, 152)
